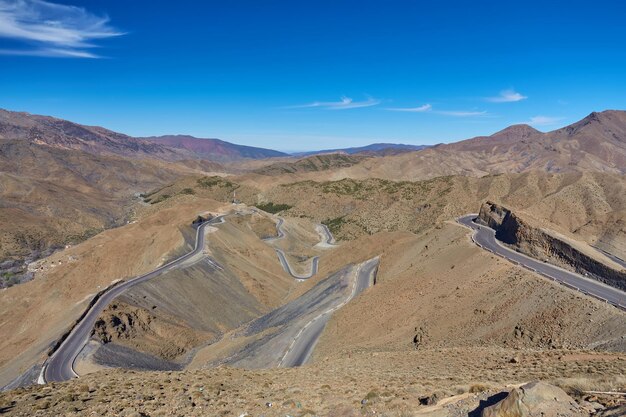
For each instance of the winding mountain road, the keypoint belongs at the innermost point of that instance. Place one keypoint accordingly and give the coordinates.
(327, 239)
(283, 261)
(60, 366)
(485, 237)
(279, 231)
(304, 343)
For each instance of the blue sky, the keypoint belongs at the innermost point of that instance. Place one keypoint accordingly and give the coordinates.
(302, 75)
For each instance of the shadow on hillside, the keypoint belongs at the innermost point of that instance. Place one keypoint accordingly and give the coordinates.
(488, 402)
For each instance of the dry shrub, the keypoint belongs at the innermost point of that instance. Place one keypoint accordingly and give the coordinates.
(479, 387)
(578, 385)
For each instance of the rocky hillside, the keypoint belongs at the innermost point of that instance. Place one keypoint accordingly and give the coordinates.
(313, 163)
(62, 134)
(597, 142)
(589, 207)
(325, 392)
(51, 196)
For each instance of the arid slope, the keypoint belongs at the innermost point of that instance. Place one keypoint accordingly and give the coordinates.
(36, 313)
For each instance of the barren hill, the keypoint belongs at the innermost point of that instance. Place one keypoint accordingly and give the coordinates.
(53, 195)
(313, 163)
(62, 134)
(213, 149)
(588, 206)
(61, 183)
(597, 142)
(372, 149)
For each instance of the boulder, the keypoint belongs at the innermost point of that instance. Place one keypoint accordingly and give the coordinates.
(536, 399)
(616, 411)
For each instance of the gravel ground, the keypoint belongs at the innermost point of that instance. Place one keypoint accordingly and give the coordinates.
(353, 383)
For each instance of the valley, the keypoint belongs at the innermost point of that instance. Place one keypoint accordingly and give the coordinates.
(312, 209)
(303, 280)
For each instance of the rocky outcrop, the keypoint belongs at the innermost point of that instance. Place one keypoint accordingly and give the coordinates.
(138, 329)
(535, 242)
(535, 399)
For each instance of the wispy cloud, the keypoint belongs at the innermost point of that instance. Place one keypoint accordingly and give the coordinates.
(429, 108)
(461, 113)
(507, 96)
(344, 104)
(49, 29)
(420, 109)
(544, 120)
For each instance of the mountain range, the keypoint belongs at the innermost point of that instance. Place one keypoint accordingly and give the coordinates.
(213, 149)
(375, 148)
(61, 180)
(63, 134)
(63, 184)
(595, 143)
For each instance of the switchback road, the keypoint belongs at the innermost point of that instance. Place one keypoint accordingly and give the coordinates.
(303, 344)
(60, 366)
(327, 240)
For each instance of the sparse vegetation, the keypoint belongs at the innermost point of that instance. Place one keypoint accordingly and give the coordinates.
(160, 199)
(215, 181)
(148, 196)
(272, 207)
(187, 191)
(476, 388)
(8, 279)
(87, 234)
(334, 225)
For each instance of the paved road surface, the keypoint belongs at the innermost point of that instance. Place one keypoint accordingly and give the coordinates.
(327, 239)
(485, 237)
(59, 366)
(328, 236)
(287, 267)
(304, 342)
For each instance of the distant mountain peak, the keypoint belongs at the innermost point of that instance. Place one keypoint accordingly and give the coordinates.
(379, 148)
(611, 120)
(519, 130)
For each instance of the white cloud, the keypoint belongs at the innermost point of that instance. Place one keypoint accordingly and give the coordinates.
(420, 109)
(429, 108)
(50, 29)
(462, 113)
(507, 96)
(544, 120)
(344, 104)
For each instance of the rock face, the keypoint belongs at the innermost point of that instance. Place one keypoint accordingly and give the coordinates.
(535, 399)
(503, 221)
(535, 242)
